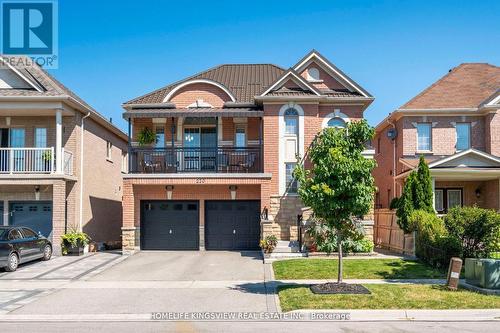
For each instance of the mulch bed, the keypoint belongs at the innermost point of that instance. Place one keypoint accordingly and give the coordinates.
(339, 288)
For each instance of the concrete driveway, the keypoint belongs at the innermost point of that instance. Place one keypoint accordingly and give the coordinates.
(187, 266)
(164, 281)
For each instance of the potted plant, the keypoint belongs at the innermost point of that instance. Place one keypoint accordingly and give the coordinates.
(268, 244)
(47, 159)
(146, 137)
(74, 242)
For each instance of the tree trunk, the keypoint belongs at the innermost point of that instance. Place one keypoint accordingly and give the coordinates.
(339, 245)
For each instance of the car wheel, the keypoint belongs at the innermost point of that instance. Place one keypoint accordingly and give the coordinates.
(12, 262)
(47, 252)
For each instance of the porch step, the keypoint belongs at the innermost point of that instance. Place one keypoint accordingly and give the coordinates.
(287, 247)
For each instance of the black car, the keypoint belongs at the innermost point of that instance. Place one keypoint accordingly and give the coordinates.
(19, 245)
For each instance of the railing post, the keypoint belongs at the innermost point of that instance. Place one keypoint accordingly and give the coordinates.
(11, 161)
(51, 159)
(216, 144)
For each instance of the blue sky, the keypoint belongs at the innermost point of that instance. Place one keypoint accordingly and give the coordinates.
(112, 51)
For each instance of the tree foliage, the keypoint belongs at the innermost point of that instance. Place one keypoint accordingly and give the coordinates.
(417, 195)
(339, 185)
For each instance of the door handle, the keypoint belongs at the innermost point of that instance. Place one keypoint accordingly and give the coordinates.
(234, 232)
(170, 231)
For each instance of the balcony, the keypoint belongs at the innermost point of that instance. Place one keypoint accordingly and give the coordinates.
(34, 161)
(196, 160)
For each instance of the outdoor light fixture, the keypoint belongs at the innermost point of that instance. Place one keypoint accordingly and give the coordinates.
(37, 193)
(478, 192)
(170, 189)
(233, 189)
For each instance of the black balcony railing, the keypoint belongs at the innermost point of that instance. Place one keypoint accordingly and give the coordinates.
(183, 159)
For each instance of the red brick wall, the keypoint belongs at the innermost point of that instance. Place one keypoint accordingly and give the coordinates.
(384, 156)
(207, 92)
(443, 134)
(328, 81)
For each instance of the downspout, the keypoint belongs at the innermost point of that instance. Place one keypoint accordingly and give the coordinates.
(82, 127)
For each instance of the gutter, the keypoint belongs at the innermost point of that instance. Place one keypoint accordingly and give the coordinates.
(82, 128)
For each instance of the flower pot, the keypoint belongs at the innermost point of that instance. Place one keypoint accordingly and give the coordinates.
(75, 250)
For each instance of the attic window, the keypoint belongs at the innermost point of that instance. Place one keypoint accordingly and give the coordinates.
(313, 74)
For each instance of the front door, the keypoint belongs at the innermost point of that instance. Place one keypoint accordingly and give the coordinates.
(17, 136)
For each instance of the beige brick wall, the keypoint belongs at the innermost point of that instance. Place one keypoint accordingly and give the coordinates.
(102, 191)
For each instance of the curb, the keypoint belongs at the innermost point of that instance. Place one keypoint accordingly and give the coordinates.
(469, 315)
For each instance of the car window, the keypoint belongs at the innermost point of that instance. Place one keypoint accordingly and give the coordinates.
(28, 233)
(15, 234)
(3, 233)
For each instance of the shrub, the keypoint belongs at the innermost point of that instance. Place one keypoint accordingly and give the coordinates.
(325, 239)
(417, 195)
(477, 229)
(433, 243)
(394, 203)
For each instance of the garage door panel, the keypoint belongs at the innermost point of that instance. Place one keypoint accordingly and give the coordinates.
(232, 225)
(169, 225)
(36, 215)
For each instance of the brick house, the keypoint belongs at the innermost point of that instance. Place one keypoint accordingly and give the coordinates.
(219, 174)
(61, 162)
(455, 125)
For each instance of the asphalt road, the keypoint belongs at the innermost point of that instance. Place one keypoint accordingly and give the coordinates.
(232, 327)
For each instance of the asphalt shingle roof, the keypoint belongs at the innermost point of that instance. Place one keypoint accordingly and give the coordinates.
(465, 86)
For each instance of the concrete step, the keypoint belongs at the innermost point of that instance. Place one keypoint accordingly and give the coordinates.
(287, 247)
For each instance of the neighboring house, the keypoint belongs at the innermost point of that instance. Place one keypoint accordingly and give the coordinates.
(455, 125)
(219, 174)
(60, 160)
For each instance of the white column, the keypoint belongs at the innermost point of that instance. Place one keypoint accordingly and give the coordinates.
(59, 156)
(433, 193)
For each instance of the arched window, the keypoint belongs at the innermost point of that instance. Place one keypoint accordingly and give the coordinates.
(336, 123)
(291, 121)
(313, 74)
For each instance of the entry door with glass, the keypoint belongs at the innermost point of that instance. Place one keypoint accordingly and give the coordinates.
(17, 136)
(200, 144)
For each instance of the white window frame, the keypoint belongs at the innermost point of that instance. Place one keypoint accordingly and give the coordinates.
(37, 145)
(109, 151)
(469, 133)
(287, 183)
(335, 114)
(436, 200)
(282, 141)
(430, 137)
(124, 161)
(244, 128)
(448, 197)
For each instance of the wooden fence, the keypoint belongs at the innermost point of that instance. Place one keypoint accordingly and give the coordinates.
(388, 235)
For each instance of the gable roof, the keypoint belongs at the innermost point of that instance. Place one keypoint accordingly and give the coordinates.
(467, 158)
(244, 81)
(45, 85)
(465, 86)
(278, 86)
(342, 77)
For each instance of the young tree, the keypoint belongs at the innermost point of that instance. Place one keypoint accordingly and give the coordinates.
(417, 195)
(339, 185)
(423, 187)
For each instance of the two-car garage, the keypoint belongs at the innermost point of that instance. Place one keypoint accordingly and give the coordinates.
(175, 225)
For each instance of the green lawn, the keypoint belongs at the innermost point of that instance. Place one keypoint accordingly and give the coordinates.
(391, 296)
(354, 269)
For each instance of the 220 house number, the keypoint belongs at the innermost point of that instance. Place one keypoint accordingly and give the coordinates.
(200, 180)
